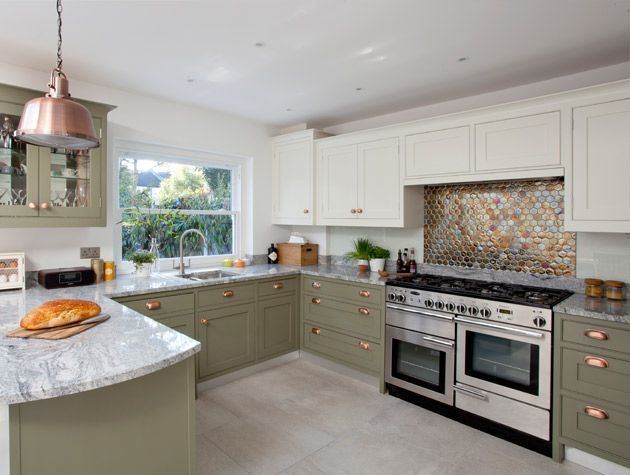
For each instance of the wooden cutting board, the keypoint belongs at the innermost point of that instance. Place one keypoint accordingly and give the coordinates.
(58, 333)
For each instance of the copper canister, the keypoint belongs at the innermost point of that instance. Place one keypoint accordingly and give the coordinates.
(615, 290)
(97, 267)
(109, 270)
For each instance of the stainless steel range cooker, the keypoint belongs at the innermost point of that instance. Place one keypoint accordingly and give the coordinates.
(483, 348)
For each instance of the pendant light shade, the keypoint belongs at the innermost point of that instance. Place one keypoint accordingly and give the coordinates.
(56, 120)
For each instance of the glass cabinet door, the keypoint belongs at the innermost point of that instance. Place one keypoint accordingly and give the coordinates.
(18, 167)
(70, 182)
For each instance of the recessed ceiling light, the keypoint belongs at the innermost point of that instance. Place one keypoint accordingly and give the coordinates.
(365, 51)
(259, 44)
(462, 59)
(358, 88)
(288, 109)
(191, 80)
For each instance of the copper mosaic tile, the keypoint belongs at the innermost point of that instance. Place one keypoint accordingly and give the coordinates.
(516, 226)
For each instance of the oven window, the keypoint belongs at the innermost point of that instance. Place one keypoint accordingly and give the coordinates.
(510, 363)
(419, 365)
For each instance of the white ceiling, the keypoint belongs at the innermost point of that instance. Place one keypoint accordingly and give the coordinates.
(403, 53)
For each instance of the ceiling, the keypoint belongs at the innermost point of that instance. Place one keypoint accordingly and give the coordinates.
(318, 61)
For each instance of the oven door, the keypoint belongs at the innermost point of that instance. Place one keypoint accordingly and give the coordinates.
(420, 363)
(505, 359)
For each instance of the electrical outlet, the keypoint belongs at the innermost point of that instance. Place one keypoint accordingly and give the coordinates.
(90, 252)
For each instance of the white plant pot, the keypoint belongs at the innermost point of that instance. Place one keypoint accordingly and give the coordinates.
(144, 270)
(377, 265)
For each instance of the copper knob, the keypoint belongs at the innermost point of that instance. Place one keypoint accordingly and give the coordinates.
(315, 331)
(228, 293)
(364, 293)
(278, 285)
(205, 321)
(596, 334)
(596, 361)
(364, 311)
(153, 305)
(32, 205)
(364, 345)
(316, 300)
(596, 413)
(305, 210)
(353, 210)
(316, 285)
(44, 205)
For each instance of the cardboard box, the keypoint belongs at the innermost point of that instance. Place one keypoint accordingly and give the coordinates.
(297, 254)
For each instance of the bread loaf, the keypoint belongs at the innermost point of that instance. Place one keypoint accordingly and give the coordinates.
(56, 313)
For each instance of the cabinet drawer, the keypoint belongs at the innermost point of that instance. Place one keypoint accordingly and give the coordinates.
(156, 306)
(368, 294)
(343, 348)
(596, 375)
(226, 294)
(275, 287)
(346, 317)
(601, 335)
(610, 434)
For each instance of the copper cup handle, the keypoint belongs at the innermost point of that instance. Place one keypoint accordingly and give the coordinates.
(228, 293)
(305, 210)
(596, 413)
(278, 285)
(315, 331)
(316, 285)
(153, 305)
(364, 345)
(596, 361)
(316, 300)
(596, 334)
(364, 311)
(32, 205)
(204, 321)
(353, 210)
(44, 205)
(359, 210)
(364, 293)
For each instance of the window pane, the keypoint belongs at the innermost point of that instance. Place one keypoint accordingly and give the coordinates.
(171, 185)
(167, 228)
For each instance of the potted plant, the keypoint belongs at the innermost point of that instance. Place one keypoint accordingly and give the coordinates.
(361, 253)
(142, 261)
(378, 256)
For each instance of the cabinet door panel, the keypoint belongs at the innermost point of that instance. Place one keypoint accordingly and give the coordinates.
(182, 323)
(524, 142)
(293, 182)
(379, 180)
(601, 162)
(438, 153)
(228, 338)
(338, 182)
(277, 326)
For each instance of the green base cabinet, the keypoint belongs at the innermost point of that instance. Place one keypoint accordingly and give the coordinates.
(591, 387)
(277, 326)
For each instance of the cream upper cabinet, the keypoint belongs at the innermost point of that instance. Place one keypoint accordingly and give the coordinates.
(599, 189)
(523, 142)
(360, 184)
(438, 152)
(293, 174)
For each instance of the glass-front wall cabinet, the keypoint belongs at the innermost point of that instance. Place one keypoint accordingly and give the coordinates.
(39, 185)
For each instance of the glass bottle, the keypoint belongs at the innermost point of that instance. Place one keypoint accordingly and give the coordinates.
(155, 265)
(399, 262)
(272, 254)
(413, 267)
(406, 260)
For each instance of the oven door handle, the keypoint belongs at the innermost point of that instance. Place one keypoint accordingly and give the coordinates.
(470, 392)
(513, 330)
(438, 341)
(421, 312)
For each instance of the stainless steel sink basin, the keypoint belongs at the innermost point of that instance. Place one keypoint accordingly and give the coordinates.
(209, 275)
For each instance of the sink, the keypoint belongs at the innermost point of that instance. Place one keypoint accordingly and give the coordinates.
(209, 275)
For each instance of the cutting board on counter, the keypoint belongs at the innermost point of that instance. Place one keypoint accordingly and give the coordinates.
(58, 333)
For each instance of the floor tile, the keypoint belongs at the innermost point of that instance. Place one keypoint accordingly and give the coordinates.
(211, 460)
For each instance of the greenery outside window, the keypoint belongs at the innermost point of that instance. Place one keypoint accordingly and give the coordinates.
(159, 197)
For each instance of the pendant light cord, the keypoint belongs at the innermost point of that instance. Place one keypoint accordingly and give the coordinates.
(59, 39)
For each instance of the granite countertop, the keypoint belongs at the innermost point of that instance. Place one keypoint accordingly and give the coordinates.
(39, 369)
(601, 309)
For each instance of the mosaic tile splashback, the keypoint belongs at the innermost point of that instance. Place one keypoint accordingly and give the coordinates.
(517, 226)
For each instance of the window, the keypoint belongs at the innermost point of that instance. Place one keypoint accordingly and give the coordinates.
(161, 195)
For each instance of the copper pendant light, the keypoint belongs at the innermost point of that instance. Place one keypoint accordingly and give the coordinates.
(56, 120)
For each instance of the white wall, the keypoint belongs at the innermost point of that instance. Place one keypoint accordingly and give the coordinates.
(152, 120)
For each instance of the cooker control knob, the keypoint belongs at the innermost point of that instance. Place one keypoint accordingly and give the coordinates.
(461, 309)
(428, 303)
(450, 307)
(473, 311)
(439, 304)
(391, 296)
(485, 312)
(540, 322)
(400, 298)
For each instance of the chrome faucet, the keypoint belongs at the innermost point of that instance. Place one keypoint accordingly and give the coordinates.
(181, 247)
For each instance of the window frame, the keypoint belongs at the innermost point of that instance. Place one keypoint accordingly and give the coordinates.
(150, 151)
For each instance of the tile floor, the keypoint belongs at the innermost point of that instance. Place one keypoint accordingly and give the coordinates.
(300, 418)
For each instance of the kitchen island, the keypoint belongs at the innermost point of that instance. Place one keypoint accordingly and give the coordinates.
(118, 398)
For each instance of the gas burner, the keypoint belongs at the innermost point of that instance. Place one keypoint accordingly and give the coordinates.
(536, 296)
